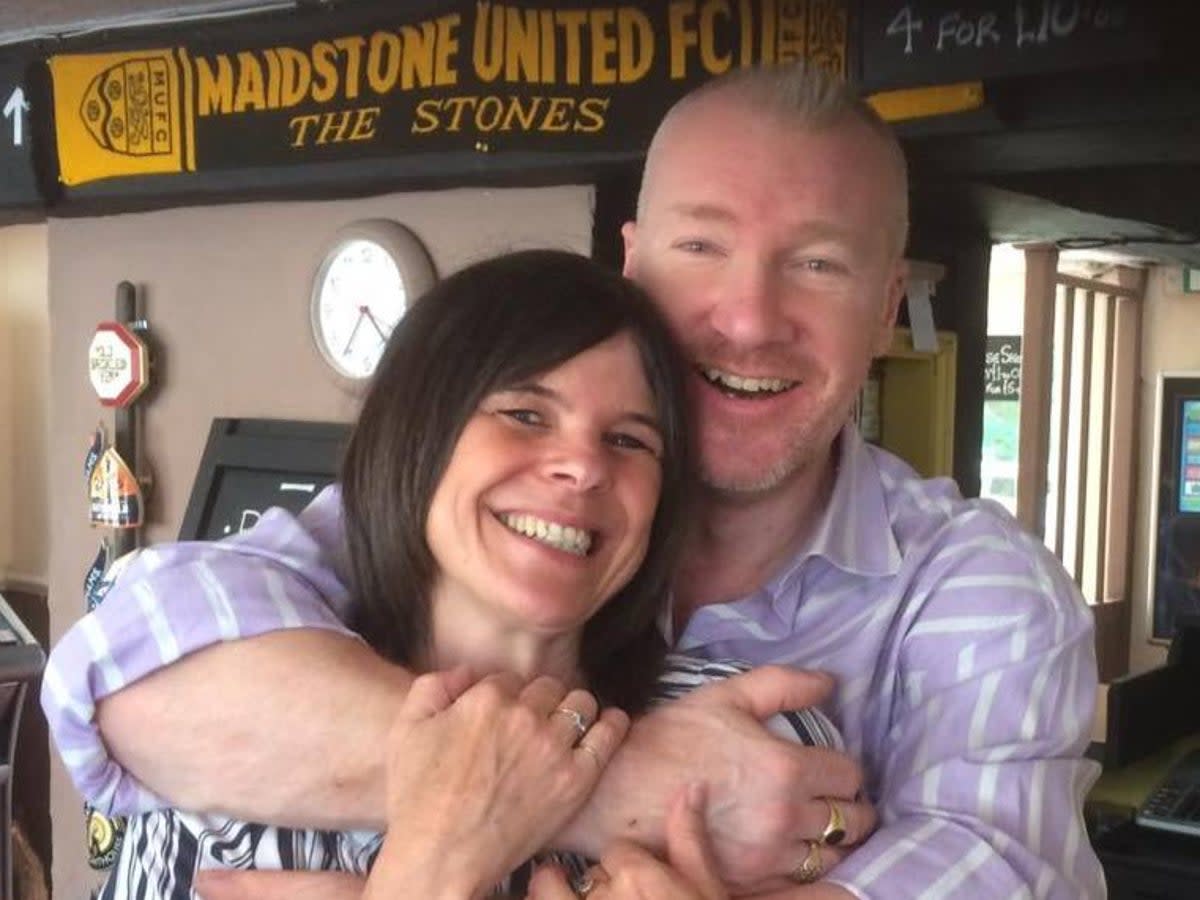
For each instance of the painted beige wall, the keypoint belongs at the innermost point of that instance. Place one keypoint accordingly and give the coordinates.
(24, 407)
(226, 293)
(1170, 325)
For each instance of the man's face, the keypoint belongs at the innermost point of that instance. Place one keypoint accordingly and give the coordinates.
(771, 252)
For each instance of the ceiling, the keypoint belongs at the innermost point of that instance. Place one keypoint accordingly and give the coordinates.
(1022, 184)
(23, 20)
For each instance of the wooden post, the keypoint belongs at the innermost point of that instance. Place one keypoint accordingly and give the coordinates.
(125, 424)
(1033, 444)
(1113, 615)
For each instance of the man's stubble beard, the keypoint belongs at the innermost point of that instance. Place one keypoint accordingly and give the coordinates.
(800, 455)
(808, 447)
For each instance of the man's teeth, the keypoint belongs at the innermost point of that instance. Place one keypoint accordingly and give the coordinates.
(561, 537)
(748, 385)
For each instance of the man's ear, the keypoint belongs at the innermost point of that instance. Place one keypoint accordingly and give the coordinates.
(897, 286)
(629, 237)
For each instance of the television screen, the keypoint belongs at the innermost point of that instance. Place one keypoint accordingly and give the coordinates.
(250, 465)
(1189, 457)
(1175, 573)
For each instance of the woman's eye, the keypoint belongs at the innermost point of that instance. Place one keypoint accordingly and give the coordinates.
(524, 416)
(631, 442)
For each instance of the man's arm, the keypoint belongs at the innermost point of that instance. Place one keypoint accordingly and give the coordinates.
(285, 728)
(979, 777)
(172, 601)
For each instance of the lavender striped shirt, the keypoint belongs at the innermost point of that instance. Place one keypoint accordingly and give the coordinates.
(963, 652)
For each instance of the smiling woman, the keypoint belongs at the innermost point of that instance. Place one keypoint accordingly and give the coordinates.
(545, 508)
(487, 456)
(512, 501)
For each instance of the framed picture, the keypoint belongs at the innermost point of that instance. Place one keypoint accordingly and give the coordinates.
(250, 465)
(1174, 583)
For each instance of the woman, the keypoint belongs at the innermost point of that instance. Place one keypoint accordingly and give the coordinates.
(513, 496)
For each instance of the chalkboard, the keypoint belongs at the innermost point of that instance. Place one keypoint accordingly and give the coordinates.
(1002, 368)
(250, 465)
(932, 42)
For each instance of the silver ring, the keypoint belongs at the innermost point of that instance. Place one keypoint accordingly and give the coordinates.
(577, 719)
(591, 879)
(592, 752)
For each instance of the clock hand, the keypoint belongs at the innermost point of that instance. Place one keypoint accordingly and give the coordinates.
(362, 311)
(375, 324)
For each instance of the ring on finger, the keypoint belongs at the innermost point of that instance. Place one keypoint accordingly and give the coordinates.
(576, 718)
(591, 879)
(835, 828)
(592, 752)
(809, 869)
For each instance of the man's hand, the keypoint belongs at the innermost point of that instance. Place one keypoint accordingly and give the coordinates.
(820, 891)
(764, 793)
(629, 872)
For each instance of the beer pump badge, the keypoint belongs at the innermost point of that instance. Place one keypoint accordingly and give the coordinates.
(115, 497)
(118, 364)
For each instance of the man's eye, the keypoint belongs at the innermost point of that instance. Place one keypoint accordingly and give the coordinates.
(524, 416)
(695, 246)
(819, 264)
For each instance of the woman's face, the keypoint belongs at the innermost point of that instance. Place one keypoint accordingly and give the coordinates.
(545, 508)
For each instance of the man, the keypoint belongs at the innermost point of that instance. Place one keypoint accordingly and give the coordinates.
(770, 229)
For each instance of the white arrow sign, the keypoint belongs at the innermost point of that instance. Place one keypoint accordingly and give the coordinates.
(15, 109)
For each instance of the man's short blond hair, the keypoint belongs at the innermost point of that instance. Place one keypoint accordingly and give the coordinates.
(804, 96)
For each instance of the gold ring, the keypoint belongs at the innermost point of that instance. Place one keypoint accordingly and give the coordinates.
(835, 828)
(809, 869)
(577, 719)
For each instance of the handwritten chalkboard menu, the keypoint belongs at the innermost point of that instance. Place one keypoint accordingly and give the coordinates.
(1002, 368)
(250, 465)
(18, 185)
(934, 42)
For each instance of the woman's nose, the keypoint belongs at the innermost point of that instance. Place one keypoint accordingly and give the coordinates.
(581, 463)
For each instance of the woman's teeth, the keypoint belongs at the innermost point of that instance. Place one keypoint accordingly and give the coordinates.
(561, 537)
(747, 385)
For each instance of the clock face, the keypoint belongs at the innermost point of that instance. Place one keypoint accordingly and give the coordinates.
(362, 289)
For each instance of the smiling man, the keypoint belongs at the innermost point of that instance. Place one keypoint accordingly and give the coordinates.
(770, 230)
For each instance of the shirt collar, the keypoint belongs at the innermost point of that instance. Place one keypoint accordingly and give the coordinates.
(854, 531)
(854, 534)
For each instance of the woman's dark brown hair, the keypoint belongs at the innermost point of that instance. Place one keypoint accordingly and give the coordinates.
(485, 328)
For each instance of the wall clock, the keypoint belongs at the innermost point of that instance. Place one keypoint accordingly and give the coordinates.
(371, 272)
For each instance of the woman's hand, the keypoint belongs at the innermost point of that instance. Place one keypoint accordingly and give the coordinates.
(481, 777)
(628, 872)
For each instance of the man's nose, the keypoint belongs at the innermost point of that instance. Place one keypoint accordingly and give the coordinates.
(748, 306)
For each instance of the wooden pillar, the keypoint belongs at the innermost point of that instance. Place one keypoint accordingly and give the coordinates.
(1114, 612)
(1037, 355)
